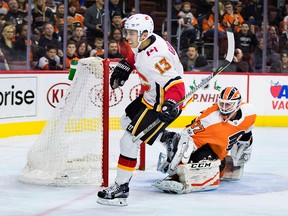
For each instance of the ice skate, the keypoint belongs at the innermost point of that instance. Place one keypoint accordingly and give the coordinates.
(114, 195)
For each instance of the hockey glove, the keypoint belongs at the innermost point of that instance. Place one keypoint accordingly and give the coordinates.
(120, 74)
(169, 112)
(241, 153)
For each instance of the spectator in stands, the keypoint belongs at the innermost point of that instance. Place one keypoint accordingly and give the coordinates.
(246, 40)
(272, 37)
(82, 49)
(59, 25)
(123, 46)
(7, 43)
(93, 20)
(71, 53)
(3, 62)
(99, 42)
(23, 5)
(238, 65)
(270, 58)
(203, 8)
(41, 14)
(48, 38)
(21, 44)
(164, 35)
(14, 16)
(253, 12)
(283, 11)
(113, 50)
(3, 7)
(50, 61)
(177, 6)
(73, 17)
(50, 4)
(114, 7)
(230, 18)
(192, 61)
(130, 13)
(208, 26)
(77, 34)
(79, 4)
(116, 21)
(189, 26)
(281, 66)
(3, 11)
(284, 32)
(59, 18)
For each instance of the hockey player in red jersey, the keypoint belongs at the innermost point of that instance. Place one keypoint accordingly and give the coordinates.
(225, 127)
(160, 73)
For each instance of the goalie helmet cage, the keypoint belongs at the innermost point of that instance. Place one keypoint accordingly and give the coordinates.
(73, 148)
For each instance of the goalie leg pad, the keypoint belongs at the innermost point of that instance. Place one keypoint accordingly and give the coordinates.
(201, 176)
(193, 177)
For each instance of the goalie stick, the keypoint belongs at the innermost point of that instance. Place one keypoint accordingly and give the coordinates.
(203, 83)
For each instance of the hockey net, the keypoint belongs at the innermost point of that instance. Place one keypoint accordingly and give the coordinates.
(73, 146)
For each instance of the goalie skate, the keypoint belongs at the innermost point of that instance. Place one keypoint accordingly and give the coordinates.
(114, 195)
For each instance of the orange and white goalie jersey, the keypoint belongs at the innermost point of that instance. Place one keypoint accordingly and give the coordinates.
(209, 128)
(159, 69)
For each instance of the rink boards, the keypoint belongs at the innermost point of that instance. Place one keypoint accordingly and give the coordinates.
(27, 99)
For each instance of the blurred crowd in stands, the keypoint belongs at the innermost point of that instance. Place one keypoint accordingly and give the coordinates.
(192, 33)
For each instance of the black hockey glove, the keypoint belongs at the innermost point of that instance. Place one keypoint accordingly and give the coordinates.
(120, 74)
(169, 112)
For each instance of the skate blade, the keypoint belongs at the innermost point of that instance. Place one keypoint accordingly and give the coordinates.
(170, 186)
(113, 202)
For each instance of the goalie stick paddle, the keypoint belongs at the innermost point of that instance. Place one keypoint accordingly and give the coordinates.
(203, 83)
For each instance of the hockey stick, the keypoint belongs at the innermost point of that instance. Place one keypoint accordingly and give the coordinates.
(203, 83)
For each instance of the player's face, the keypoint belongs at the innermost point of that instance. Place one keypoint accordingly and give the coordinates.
(132, 38)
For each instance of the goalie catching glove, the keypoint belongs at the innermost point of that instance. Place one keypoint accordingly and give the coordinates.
(120, 74)
(169, 111)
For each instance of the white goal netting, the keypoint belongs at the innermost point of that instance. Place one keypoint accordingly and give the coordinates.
(69, 149)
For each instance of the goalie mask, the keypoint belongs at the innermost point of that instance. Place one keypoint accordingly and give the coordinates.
(140, 23)
(229, 102)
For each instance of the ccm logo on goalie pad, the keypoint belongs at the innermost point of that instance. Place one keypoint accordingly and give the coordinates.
(201, 165)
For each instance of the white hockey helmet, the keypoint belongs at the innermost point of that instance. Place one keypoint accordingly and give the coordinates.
(229, 101)
(140, 23)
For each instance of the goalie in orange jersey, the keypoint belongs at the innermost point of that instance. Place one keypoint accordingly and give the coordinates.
(215, 146)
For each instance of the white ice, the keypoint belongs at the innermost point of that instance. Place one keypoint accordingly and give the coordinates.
(262, 191)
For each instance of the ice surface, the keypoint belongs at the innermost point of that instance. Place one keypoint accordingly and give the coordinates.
(262, 191)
